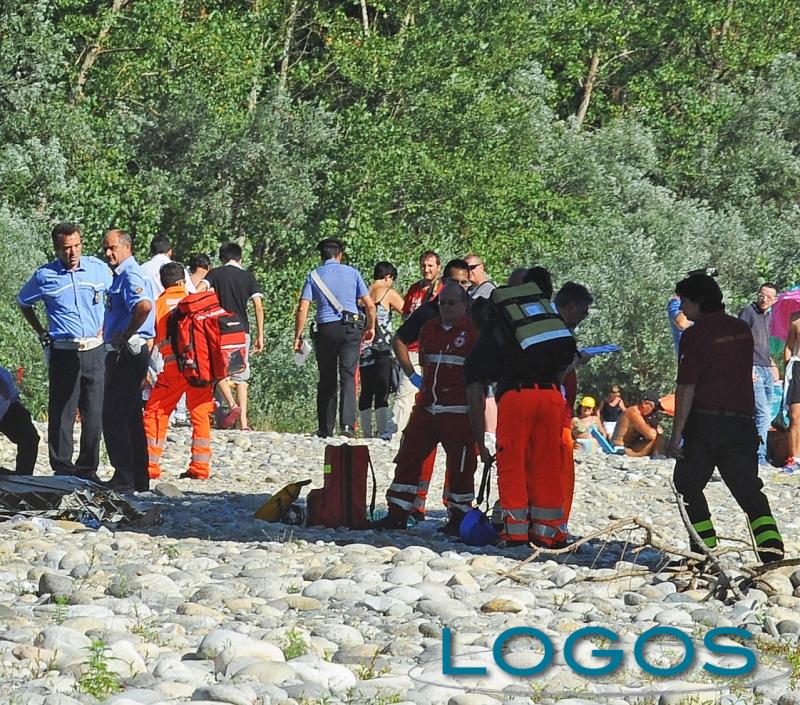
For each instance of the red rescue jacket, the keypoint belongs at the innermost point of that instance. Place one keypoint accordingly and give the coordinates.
(441, 355)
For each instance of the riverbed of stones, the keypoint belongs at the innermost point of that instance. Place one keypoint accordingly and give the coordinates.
(212, 605)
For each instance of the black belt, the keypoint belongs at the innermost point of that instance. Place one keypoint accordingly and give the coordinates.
(537, 385)
(723, 412)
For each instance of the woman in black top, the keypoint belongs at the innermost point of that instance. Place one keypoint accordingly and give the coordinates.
(611, 408)
(376, 361)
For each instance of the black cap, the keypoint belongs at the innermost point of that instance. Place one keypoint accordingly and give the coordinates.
(651, 396)
(330, 241)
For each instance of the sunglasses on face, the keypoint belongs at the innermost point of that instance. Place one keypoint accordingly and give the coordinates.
(473, 267)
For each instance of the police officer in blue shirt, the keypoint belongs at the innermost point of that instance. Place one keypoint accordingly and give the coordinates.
(128, 335)
(337, 332)
(72, 288)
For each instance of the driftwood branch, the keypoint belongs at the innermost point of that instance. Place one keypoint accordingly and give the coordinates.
(724, 578)
(630, 522)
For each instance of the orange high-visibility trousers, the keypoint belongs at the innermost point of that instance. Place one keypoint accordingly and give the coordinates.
(530, 464)
(567, 471)
(423, 432)
(170, 387)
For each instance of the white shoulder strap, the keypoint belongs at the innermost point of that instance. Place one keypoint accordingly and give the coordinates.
(323, 287)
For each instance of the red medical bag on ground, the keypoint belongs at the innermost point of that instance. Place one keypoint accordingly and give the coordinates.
(342, 501)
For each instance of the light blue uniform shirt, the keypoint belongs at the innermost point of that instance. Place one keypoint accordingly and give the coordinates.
(74, 299)
(128, 288)
(345, 283)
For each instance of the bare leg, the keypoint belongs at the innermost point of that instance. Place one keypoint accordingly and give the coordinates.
(241, 393)
(639, 450)
(224, 387)
(794, 430)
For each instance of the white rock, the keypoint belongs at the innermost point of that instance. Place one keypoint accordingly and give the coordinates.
(315, 671)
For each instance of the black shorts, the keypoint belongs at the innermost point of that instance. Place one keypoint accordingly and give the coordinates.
(793, 392)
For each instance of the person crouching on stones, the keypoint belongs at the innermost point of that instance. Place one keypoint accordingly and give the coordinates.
(637, 429)
(440, 415)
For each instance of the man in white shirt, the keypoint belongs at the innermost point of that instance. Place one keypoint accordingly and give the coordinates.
(160, 254)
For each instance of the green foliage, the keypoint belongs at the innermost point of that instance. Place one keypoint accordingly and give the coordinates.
(445, 125)
(295, 645)
(98, 680)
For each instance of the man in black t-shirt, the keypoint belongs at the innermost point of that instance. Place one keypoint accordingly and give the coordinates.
(714, 405)
(235, 287)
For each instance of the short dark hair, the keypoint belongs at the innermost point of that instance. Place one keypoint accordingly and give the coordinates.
(573, 293)
(702, 290)
(769, 285)
(463, 294)
(171, 273)
(199, 260)
(229, 251)
(429, 253)
(63, 229)
(517, 276)
(160, 245)
(384, 269)
(541, 277)
(454, 264)
(330, 249)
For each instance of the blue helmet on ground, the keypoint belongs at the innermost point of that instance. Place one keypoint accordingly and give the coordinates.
(476, 529)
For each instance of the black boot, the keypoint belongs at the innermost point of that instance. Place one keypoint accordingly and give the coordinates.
(453, 524)
(395, 520)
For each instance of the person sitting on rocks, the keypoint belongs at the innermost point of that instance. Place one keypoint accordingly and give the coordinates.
(638, 430)
(583, 423)
(439, 415)
(610, 409)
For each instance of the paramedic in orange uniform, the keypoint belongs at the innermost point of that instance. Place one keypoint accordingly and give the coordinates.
(171, 386)
(530, 424)
(439, 415)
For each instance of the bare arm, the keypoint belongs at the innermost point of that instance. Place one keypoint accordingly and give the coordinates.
(642, 427)
(681, 321)
(684, 397)
(369, 315)
(30, 316)
(395, 301)
(300, 317)
(258, 305)
(792, 338)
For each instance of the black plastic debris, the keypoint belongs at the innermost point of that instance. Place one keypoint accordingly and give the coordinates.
(70, 498)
